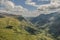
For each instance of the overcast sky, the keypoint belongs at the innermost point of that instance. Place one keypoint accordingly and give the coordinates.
(29, 7)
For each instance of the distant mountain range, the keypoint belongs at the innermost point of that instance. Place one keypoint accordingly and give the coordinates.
(42, 27)
(52, 21)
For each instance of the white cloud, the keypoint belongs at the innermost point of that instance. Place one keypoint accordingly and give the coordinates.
(19, 10)
(55, 1)
(48, 8)
(54, 5)
(29, 2)
(9, 5)
(11, 8)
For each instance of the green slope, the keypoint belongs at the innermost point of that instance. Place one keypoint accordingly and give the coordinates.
(13, 29)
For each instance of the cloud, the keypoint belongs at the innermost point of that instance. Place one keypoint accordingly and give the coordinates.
(19, 9)
(9, 5)
(55, 1)
(53, 6)
(11, 8)
(48, 8)
(29, 2)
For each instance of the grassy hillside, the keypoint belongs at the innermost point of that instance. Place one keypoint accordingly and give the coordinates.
(15, 29)
(12, 29)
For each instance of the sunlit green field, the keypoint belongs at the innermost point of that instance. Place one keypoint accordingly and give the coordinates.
(13, 29)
